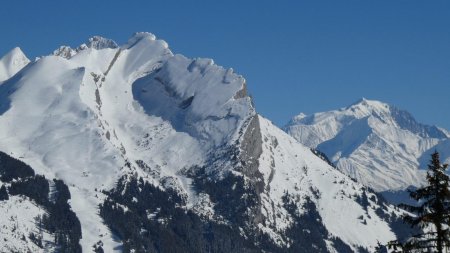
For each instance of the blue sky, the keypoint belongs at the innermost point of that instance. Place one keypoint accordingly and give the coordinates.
(297, 56)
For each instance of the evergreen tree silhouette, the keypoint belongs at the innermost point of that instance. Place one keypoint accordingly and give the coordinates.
(433, 212)
(3, 193)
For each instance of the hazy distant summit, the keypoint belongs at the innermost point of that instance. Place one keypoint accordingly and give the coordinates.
(374, 142)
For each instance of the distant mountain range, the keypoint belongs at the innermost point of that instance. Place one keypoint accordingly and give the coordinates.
(377, 144)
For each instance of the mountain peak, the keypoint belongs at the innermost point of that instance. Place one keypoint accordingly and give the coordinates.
(98, 42)
(95, 42)
(401, 118)
(300, 116)
(125, 125)
(367, 102)
(11, 63)
(369, 106)
(17, 51)
(371, 141)
(139, 37)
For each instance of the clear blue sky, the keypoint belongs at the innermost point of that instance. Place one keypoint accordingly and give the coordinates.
(297, 56)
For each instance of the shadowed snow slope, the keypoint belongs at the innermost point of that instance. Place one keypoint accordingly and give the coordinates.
(375, 143)
(102, 112)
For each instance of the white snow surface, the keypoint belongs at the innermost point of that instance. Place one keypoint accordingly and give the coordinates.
(11, 63)
(17, 221)
(87, 115)
(373, 142)
(82, 118)
(289, 166)
(444, 153)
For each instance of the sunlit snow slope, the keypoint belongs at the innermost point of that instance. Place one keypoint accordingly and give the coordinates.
(11, 63)
(82, 119)
(94, 114)
(17, 222)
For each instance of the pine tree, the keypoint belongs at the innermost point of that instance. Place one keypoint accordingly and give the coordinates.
(3, 193)
(434, 210)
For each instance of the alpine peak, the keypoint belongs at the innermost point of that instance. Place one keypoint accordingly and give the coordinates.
(98, 42)
(176, 143)
(371, 141)
(11, 63)
(95, 42)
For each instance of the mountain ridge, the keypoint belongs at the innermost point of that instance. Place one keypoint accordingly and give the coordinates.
(122, 124)
(384, 152)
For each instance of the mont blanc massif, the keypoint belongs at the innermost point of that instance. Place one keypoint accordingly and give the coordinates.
(131, 148)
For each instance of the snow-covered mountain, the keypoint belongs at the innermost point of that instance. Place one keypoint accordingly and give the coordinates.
(11, 63)
(170, 154)
(378, 144)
